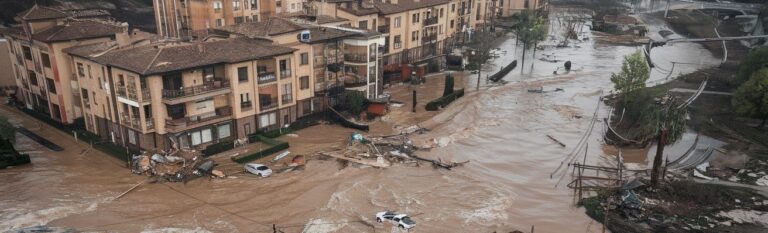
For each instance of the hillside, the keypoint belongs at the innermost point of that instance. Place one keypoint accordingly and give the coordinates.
(138, 13)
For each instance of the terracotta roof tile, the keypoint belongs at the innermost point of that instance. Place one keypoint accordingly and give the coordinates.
(41, 12)
(79, 29)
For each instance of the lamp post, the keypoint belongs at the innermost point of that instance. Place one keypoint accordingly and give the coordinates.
(479, 68)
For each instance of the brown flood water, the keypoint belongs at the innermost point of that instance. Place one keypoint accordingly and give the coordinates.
(501, 130)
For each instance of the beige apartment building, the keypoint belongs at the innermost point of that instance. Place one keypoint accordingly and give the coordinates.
(187, 95)
(191, 18)
(41, 68)
(334, 56)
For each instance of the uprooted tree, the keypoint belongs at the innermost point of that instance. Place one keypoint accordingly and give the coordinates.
(751, 98)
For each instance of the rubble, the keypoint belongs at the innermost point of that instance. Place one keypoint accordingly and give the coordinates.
(171, 168)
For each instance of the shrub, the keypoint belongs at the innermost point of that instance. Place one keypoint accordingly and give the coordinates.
(355, 101)
(219, 147)
(444, 101)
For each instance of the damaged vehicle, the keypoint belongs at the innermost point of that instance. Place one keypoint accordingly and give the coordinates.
(258, 169)
(402, 220)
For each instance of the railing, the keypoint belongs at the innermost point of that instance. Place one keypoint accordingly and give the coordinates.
(360, 58)
(181, 124)
(287, 99)
(131, 93)
(135, 122)
(429, 38)
(246, 104)
(268, 103)
(267, 78)
(430, 21)
(384, 29)
(196, 90)
(285, 74)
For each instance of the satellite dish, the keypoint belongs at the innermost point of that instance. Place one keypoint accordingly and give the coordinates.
(304, 36)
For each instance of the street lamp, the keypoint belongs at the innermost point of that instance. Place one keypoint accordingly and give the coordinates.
(479, 67)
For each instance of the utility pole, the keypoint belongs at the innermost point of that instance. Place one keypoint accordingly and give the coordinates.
(479, 68)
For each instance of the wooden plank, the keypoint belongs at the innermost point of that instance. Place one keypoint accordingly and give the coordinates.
(355, 160)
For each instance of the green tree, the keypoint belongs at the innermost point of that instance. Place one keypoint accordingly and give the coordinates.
(633, 75)
(751, 98)
(355, 101)
(448, 85)
(530, 29)
(7, 130)
(757, 59)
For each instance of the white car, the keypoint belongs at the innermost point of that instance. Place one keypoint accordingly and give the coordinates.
(258, 169)
(402, 220)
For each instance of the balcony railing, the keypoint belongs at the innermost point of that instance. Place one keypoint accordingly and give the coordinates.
(246, 104)
(268, 103)
(285, 74)
(359, 58)
(135, 122)
(384, 29)
(430, 21)
(131, 93)
(196, 90)
(287, 98)
(266, 77)
(429, 38)
(181, 124)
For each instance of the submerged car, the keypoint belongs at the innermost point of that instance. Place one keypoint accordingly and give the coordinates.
(402, 220)
(258, 169)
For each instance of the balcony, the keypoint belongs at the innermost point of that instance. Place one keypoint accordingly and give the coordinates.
(357, 58)
(429, 38)
(285, 74)
(266, 77)
(383, 29)
(131, 94)
(135, 122)
(268, 103)
(246, 105)
(186, 94)
(182, 124)
(430, 21)
(287, 98)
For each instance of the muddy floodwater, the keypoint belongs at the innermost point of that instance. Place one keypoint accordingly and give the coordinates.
(514, 180)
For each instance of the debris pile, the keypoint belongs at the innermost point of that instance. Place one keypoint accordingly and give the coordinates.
(173, 168)
(384, 151)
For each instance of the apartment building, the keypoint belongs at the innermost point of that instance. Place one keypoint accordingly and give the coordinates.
(332, 57)
(507, 8)
(41, 68)
(190, 18)
(188, 94)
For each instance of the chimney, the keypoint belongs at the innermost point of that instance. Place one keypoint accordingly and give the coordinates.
(123, 37)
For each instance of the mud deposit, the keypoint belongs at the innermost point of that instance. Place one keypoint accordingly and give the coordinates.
(506, 186)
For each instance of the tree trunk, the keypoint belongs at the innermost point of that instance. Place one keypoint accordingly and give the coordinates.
(522, 64)
(658, 158)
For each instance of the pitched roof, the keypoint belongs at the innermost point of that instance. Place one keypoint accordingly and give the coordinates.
(323, 34)
(271, 27)
(323, 19)
(156, 59)
(88, 13)
(77, 29)
(359, 11)
(406, 5)
(41, 12)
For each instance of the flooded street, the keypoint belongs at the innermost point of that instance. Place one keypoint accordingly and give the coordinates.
(516, 177)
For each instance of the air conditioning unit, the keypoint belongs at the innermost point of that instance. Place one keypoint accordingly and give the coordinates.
(304, 36)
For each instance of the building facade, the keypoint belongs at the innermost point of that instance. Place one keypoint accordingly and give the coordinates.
(41, 68)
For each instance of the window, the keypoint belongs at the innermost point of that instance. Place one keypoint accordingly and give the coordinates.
(362, 24)
(278, 3)
(131, 137)
(238, 20)
(306, 107)
(200, 137)
(51, 85)
(255, 18)
(32, 77)
(414, 35)
(526, 4)
(27, 52)
(247, 128)
(453, 7)
(293, 6)
(501, 3)
(46, 60)
(242, 74)
(217, 6)
(219, 23)
(441, 12)
(245, 100)
(236, 4)
(304, 82)
(440, 29)
(415, 18)
(397, 42)
(287, 91)
(267, 120)
(397, 22)
(224, 131)
(304, 58)
(80, 70)
(451, 23)
(254, 5)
